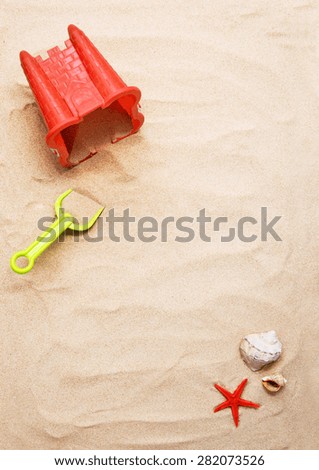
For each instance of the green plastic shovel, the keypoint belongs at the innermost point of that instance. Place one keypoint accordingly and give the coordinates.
(64, 221)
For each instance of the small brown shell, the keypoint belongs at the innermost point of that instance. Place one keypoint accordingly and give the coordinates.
(273, 383)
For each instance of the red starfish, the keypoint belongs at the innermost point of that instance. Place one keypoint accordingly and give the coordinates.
(234, 401)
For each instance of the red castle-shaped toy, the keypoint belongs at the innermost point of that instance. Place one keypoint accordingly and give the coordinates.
(72, 83)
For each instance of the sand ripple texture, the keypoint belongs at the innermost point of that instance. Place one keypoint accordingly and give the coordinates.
(117, 345)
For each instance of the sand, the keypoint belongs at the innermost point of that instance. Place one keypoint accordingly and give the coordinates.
(118, 345)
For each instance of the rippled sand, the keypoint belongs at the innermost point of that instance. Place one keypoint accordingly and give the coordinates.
(118, 345)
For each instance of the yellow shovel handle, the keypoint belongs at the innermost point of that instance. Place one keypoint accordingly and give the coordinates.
(40, 244)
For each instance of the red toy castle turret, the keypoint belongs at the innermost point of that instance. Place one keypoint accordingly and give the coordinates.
(72, 83)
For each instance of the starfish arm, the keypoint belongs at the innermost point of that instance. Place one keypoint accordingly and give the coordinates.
(223, 391)
(240, 388)
(249, 404)
(234, 410)
(222, 406)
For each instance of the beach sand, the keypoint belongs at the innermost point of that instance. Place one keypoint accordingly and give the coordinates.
(118, 345)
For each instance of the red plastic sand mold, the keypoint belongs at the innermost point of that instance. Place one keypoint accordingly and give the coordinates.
(72, 83)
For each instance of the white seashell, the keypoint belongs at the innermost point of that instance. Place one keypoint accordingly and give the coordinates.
(260, 349)
(273, 383)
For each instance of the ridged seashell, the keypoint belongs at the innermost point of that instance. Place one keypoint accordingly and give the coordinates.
(260, 349)
(273, 383)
